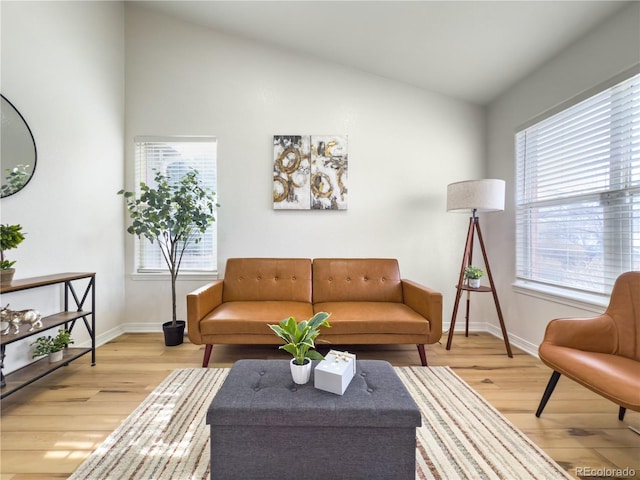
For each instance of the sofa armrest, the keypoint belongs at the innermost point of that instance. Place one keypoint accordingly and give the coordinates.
(428, 303)
(199, 303)
(597, 334)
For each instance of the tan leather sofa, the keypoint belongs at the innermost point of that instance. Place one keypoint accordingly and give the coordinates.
(368, 301)
(600, 353)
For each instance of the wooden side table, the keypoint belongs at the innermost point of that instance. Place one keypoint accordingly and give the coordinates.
(483, 289)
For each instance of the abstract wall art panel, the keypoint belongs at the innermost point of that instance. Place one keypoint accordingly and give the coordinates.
(310, 172)
(329, 172)
(291, 172)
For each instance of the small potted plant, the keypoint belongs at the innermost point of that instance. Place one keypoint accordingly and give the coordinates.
(52, 346)
(473, 275)
(300, 338)
(10, 237)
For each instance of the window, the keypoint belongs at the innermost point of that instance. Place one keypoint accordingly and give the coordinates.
(174, 156)
(578, 193)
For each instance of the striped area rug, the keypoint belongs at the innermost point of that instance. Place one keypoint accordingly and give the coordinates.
(462, 436)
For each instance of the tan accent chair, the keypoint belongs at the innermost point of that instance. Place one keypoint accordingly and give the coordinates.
(601, 353)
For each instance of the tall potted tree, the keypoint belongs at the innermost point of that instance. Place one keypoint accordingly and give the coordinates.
(175, 214)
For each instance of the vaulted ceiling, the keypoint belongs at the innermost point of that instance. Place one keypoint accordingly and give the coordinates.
(472, 50)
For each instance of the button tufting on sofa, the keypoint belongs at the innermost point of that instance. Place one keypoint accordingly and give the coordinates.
(390, 310)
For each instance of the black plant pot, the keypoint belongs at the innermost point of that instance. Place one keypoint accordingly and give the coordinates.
(173, 334)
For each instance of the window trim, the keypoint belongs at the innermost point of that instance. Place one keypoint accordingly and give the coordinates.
(590, 301)
(189, 275)
(585, 94)
(184, 274)
(565, 296)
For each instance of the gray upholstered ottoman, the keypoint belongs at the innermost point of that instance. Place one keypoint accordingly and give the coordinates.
(263, 426)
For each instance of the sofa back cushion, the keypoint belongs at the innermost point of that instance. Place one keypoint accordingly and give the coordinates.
(356, 280)
(267, 279)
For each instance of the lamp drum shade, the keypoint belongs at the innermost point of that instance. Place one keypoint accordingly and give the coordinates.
(482, 195)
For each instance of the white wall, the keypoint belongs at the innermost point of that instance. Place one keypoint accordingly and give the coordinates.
(606, 51)
(63, 65)
(405, 146)
(63, 68)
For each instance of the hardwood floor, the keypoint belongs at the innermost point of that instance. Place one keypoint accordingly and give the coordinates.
(50, 427)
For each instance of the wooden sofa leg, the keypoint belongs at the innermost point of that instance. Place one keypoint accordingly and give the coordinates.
(621, 413)
(207, 355)
(423, 356)
(555, 376)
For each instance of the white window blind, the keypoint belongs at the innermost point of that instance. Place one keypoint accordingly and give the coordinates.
(175, 156)
(578, 192)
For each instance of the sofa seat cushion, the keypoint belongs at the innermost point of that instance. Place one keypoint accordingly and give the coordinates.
(252, 317)
(612, 376)
(372, 318)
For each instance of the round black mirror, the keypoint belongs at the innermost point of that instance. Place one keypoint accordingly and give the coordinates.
(18, 150)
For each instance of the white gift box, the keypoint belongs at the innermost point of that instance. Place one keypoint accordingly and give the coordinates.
(335, 372)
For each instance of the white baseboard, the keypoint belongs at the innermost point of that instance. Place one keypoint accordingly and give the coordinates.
(142, 327)
(514, 340)
(104, 337)
(495, 330)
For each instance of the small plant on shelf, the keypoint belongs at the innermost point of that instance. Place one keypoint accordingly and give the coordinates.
(10, 237)
(473, 275)
(47, 345)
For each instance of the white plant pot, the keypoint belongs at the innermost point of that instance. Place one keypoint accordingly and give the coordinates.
(300, 373)
(55, 357)
(474, 282)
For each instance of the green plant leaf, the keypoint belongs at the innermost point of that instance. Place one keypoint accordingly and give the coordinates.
(291, 327)
(280, 332)
(289, 347)
(314, 355)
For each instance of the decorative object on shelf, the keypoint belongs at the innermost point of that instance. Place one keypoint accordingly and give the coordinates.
(15, 318)
(18, 150)
(335, 372)
(310, 172)
(476, 196)
(473, 275)
(10, 237)
(52, 346)
(175, 214)
(300, 338)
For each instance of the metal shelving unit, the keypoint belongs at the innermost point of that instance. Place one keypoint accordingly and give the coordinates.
(14, 381)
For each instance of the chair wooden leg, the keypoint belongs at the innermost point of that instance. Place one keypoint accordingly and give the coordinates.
(207, 355)
(555, 376)
(423, 355)
(621, 413)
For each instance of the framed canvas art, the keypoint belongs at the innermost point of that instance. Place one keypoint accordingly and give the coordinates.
(310, 172)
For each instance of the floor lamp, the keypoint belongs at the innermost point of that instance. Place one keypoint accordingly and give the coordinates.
(476, 196)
